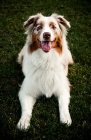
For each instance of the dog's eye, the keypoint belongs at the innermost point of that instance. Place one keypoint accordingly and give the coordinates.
(53, 27)
(39, 27)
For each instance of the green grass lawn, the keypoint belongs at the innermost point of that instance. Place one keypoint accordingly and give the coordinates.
(45, 123)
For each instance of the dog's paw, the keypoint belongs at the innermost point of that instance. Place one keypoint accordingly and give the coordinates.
(65, 118)
(23, 124)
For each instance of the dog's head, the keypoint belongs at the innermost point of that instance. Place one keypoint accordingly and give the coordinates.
(46, 32)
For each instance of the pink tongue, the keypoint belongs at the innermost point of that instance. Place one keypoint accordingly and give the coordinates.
(46, 46)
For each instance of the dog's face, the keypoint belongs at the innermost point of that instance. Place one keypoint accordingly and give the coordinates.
(46, 32)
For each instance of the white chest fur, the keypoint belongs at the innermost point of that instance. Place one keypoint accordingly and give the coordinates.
(44, 70)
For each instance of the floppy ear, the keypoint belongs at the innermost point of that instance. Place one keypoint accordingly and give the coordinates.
(61, 20)
(31, 20)
(64, 22)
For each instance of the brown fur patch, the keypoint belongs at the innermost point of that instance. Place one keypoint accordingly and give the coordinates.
(58, 44)
(41, 23)
(52, 25)
(35, 43)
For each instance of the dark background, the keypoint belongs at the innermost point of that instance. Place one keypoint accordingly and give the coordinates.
(45, 124)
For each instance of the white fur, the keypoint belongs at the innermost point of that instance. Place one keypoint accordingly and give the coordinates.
(44, 75)
(46, 27)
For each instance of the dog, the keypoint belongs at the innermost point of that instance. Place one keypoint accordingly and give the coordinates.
(45, 58)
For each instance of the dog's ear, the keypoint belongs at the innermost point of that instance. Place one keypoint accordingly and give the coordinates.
(61, 20)
(31, 20)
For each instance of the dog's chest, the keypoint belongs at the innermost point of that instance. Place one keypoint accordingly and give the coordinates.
(47, 76)
(45, 72)
(46, 80)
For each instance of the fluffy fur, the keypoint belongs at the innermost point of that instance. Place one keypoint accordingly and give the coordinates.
(45, 59)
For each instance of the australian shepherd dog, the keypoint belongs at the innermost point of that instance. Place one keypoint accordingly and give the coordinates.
(45, 58)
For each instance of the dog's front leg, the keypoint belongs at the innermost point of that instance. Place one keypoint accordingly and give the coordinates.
(64, 100)
(27, 103)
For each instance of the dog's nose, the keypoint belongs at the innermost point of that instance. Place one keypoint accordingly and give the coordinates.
(46, 35)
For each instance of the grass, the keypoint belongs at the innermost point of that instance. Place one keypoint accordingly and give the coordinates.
(45, 121)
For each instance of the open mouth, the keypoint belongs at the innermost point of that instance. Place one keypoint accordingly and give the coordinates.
(46, 45)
